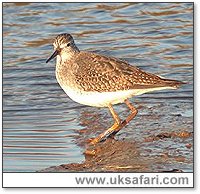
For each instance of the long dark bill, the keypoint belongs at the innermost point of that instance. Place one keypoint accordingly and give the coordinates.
(52, 56)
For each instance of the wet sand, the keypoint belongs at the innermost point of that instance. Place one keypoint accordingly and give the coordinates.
(125, 156)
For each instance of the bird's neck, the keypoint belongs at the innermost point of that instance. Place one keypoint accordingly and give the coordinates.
(67, 56)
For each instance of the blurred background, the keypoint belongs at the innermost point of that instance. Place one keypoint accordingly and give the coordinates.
(42, 127)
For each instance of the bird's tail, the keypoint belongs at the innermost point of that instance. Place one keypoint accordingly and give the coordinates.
(173, 83)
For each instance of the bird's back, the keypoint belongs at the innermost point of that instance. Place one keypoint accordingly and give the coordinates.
(101, 73)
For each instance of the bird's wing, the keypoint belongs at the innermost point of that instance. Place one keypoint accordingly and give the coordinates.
(102, 73)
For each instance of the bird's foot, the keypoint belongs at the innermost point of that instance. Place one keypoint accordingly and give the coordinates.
(94, 141)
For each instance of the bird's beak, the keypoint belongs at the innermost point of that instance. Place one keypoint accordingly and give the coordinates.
(52, 56)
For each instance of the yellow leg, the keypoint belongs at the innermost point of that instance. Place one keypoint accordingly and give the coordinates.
(109, 131)
(118, 125)
(134, 112)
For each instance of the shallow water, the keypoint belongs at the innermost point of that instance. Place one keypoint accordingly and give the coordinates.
(42, 127)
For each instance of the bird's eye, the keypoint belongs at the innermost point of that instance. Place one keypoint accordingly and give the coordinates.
(68, 44)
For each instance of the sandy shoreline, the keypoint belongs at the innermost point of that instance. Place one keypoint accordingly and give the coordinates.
(125, 156)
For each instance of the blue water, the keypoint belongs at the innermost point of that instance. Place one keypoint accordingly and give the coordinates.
(42, 127)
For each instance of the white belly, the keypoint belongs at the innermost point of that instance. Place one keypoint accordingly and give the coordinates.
(103, 99)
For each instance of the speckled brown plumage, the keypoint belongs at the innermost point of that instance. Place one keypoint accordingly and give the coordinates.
(91, 72)
(107, 74)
